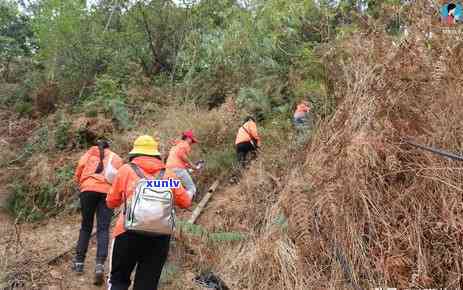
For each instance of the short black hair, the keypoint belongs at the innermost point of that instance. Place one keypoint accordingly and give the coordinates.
(248, 118)
(451, 6)
(103, 143)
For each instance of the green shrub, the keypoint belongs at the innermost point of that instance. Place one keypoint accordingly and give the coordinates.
(23, 108)
(254, 101)
(38, 142)
(169, 273)
(29, 204)
(62, 135)
(120, 114)
(219, 161)
(226, 237)
(191, 229)
(198, 230)
(91, 112)
(108, 98)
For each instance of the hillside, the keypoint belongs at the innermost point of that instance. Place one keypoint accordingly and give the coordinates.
(353, 206)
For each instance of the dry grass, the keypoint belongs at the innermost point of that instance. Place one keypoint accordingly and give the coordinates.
(392, 213)
(364, 209)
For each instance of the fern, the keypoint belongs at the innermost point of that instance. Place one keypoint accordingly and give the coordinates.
(226, 237)
(197, 230)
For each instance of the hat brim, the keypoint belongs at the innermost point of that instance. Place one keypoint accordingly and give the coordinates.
(145, 152)
(193, 139)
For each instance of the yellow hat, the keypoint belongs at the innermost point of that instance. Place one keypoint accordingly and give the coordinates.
(145, 145)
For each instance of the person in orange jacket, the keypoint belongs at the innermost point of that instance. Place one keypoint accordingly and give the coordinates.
(247, 140)
(90, 176)
(302, 117)
(179, 161)
(301, 111)
(129, 249)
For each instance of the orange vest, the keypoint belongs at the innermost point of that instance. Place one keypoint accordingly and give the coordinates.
(178, 154)
(85, 174)
(124, 186)
(243, 136)
(301, 110)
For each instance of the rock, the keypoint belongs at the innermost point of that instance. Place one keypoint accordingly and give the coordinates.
(56, 275)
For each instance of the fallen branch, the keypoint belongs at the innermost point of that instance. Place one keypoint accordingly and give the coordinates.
(203, 202)
(193, 218)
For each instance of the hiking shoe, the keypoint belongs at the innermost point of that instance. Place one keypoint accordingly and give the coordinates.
(99, 274)
(78, 267)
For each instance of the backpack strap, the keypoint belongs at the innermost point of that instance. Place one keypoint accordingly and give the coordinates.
(161, 173)
(140, 174)
(137, 170)
(253, 140)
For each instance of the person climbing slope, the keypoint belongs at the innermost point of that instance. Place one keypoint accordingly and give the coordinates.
(148, 252)
(178, 161)
(303, 122)
(94, 174)
(301, 116)
(247, 140)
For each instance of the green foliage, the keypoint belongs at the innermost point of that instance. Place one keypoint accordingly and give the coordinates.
(192, 229)
(23, 108)
(62, 134)
(32, 203)
(217, 237)
(120, 114)
(254, 101)
(65, 174)
(57, 25)
(16, 37)
(106, 89)
(226, 237)
(38, 142)
(218, 161)
(108, 98)
(169, 273)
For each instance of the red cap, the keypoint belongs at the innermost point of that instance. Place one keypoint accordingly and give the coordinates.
(189, 134)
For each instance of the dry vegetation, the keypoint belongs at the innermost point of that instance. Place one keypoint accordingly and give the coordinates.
(356, 208)
(365, 210)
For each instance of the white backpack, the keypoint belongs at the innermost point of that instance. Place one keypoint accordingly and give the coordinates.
(110, 171)
(150, 210)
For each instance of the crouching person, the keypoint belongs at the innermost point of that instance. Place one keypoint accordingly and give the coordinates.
(143, 230)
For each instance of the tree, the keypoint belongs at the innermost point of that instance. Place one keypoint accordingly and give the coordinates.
(16, 36)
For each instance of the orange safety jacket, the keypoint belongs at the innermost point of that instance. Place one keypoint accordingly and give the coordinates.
(125, 181)
(244, 136)
(178, 154)
(301, 110)
(85, 175)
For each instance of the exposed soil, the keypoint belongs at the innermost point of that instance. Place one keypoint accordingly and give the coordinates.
(58, 235)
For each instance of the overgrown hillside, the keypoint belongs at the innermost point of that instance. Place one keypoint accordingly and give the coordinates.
(352, 207)
(365, 209)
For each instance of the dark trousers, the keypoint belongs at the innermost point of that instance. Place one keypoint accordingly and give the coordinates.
(148, 253)
(91, 203)
(243, 150)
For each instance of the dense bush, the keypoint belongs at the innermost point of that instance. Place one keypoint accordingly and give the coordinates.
(108, 98)
(42, 197)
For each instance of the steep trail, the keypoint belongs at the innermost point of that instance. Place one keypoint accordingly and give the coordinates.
(59, 235)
